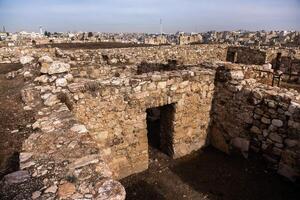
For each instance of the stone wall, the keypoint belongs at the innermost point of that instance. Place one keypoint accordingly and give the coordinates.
(91, 111)
(254, 117)
(246, 55)
(290, 62)
(115, 113)
(60, 153)
(192, 54)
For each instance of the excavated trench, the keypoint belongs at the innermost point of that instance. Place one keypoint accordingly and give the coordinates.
(13, 120)
(205, 174)
(208, 174)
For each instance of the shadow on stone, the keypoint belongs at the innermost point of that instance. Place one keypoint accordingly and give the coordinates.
(142, 190)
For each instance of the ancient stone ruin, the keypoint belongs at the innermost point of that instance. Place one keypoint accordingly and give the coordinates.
(96, 111)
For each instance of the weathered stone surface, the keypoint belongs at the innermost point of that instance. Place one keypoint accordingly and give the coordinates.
(81, 162)
(291, 143)
(241, 143)
(16, 177)
(277, 122)
(25, 156)
(42, 79)
(265, 120)
(45, 59)
(29, 95)
(26, 59)
(76, 87)
(51, 100)
(288, 172)
(218, 140)
(113, 108)
(255, 129)
(27, 74)
(57, 67)
(79, 128)
(66, 190)
(238, 75)
(275, 116)
(36, 195)
(110, 189)
(61, 82)
(51, 189)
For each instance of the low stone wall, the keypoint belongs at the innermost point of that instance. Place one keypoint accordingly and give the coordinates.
(191, 54)
(251, 116)
(115, 113)
(60, 152)
(290, 63)
(260, 73)
(91, 114)
(246, 55)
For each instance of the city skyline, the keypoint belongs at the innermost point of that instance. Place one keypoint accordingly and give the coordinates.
(137, 16)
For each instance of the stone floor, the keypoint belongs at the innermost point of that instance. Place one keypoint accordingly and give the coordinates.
(208, 174)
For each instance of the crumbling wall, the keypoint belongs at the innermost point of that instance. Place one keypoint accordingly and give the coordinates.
(253, 117)
(115, 113)
(60, 153)
(194, 54)
(247, 55)
(290, 62)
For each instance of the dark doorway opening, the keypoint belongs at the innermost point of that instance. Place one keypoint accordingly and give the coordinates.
(160, 128)
(231, 56)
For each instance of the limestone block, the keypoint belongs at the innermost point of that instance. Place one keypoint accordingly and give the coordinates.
(16, 177)
(110, 189)
(26, 59)
(162, 85)
(61, 82)
(241, 143)
(218, 141)
(83, 161)
(45, 59)
(277, 122)
(287, 171)
(255, 129)
(275, 137)
(57, 67)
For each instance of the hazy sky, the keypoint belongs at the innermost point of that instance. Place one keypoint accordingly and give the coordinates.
(144, 15)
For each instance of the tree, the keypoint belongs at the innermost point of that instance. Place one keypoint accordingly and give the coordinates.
(46, 33)
(90, 34)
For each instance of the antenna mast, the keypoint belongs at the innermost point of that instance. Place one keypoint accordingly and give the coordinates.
(161, 26)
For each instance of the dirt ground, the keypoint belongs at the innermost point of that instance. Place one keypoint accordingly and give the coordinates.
(13, 120)
(13, 131)
(208, 174)
(93, 45)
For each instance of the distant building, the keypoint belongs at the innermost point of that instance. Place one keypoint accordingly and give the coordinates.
(3, 36)
(156, 40)
(190, 39)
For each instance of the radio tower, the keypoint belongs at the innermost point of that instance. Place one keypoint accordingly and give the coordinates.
(161, 27)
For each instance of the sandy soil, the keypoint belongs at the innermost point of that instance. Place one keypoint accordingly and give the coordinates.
(13, 120)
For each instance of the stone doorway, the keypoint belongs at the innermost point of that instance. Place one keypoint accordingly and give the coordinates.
(231, 56)
(160, 128)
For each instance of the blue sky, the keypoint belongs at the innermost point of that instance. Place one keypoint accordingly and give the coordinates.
(144, 15)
